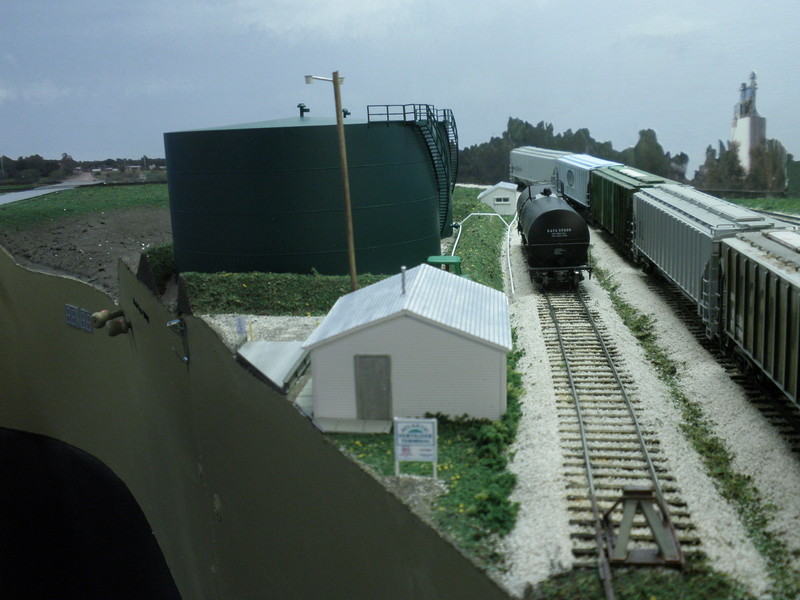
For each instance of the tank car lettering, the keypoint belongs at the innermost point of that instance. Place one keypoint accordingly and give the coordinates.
(559, 232)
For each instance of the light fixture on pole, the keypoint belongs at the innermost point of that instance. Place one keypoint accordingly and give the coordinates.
(348, 213)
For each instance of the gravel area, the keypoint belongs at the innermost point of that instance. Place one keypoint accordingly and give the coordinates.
(760, 451)
(235, 330)
(539, 546)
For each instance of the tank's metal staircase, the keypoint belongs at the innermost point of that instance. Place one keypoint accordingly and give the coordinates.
(438, 128)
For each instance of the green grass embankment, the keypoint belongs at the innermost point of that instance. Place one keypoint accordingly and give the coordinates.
(80, 201)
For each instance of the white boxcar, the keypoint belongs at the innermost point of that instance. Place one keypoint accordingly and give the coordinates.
(573, 172)
(530, 165)
(678, 230)
(761, 302)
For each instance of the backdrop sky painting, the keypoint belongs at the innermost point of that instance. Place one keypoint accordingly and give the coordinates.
(99, 79)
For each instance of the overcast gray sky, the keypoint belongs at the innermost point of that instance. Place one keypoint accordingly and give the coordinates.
(100, 79)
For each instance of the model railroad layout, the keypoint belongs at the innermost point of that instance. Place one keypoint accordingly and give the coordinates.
(624, 506)
(731, 274)
(739, 268)
(779, 411)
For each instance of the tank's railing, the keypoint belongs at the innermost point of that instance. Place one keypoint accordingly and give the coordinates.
(377, 113)
(426, 116)
(446, 116)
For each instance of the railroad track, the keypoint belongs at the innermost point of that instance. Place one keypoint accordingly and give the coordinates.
(789, 219)
(771, 403)
(606, 450)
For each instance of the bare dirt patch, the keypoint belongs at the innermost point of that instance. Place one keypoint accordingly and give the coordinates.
(89, 247)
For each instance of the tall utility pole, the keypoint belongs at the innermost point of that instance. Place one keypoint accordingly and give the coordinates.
(348, 212)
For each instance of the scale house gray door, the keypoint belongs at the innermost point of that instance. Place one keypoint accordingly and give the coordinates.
(373, 387)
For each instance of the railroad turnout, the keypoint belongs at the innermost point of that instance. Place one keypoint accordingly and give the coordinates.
(623, 502)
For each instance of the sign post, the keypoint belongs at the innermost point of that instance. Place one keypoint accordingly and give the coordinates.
(415, 440)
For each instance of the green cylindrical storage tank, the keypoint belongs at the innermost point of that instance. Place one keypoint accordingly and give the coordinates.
(268, 197)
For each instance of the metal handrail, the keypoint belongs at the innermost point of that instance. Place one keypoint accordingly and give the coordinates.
(427, 117)
(399, 112)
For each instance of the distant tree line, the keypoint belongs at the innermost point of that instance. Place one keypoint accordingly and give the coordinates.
(34, 169)
(29, 169)
(489, 162)
(723, 173)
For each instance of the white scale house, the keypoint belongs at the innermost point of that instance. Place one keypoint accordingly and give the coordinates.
(423, 341)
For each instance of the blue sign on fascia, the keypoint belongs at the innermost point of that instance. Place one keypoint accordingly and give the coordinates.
(78, 318)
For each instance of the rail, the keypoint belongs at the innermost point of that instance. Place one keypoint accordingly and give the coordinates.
(603, 564)
(664, 533)
(378, 113)
(386, 113)
(786, 218)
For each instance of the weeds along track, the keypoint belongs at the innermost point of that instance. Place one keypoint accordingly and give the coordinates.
(605, 448)
(770, 402)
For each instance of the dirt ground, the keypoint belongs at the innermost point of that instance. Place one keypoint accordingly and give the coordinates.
(89, 247)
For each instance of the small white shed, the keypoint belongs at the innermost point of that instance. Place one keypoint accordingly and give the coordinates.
(423, 341)
(501, 197)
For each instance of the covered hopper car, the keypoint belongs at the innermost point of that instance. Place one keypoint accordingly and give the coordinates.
(760, 289)
(736, 266)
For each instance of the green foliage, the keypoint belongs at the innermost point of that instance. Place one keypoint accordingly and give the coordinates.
(789, 206)
(30, 169)
(737, 488)
(767, 168)
(793, 175)
(648, 155)
(268, 293)
(696, 582)
(489, 162)
(162, 264)
(79, 201)
(722, 172)
(481, 238)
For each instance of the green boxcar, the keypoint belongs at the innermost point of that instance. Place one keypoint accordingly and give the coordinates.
(611, 200)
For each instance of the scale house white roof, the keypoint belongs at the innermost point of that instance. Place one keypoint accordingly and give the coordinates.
(426, 293)
(503, 185)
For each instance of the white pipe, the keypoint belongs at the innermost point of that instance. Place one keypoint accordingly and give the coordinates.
(508, 240)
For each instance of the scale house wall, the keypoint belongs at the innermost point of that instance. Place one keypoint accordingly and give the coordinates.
(432, 370)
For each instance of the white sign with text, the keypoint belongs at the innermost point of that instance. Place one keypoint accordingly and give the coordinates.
(415, 440)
